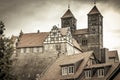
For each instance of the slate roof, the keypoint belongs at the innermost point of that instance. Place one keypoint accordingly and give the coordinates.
(32, 39)
(94, 10)
(81, 31)
(56, 69)
(67, 14)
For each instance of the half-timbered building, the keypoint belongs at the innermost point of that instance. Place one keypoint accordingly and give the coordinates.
(80, 52)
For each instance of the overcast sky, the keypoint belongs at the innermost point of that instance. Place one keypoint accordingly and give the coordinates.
(32, 15)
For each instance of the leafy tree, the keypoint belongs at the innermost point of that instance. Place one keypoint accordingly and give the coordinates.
(6, 51)
(1, 27)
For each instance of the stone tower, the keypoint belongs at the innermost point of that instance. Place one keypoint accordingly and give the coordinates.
(68, 20)
(95, 30)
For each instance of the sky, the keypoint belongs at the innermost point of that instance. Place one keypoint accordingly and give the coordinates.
(32, 15)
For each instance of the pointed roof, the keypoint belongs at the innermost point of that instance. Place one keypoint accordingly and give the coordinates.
(94, 10)
(67, 14)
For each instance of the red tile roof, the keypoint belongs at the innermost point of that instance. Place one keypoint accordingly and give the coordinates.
(32, 39)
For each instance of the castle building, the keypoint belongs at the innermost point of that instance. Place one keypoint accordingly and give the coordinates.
(80, 52)
(90, 38)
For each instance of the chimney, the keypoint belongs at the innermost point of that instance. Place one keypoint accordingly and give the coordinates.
(104, 55)
(38, 31)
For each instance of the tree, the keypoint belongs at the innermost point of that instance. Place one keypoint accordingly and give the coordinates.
(6, 51)
(1, 27)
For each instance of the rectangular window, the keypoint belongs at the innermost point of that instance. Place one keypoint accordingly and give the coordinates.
(27, 50)
(71, 70)
(84, 42)
(100, 72)
(58, 47)
(64, 70)
(52, 39)
(22, 51)
(34, 49)
(67, 70)
(31, 50)
(46, 47)
(88, 74)
(40, 49)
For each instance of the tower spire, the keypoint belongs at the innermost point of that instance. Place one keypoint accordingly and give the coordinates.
(68, 6)
(94, 2)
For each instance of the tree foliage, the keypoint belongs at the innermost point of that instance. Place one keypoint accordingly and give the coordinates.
(1, 27)
(6, 51)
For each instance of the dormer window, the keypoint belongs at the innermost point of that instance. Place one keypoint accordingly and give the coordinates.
(71, 69)
(87, 74)
(67, 70)
(64, 70)
(100, 72)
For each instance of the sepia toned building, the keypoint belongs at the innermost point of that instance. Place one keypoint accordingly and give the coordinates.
(80, 54)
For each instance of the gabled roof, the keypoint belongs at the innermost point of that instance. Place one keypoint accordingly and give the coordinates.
(81, 31)
(94, 10)
(56, 68)
(32, 39)
(67, 14)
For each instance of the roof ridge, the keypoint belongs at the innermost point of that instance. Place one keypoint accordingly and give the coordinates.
(94, 10)
(36, 33)
(68, 13)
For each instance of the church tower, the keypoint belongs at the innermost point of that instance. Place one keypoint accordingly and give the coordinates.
(95, 30)
(68, 20)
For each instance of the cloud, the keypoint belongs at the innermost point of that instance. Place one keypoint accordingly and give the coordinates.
(31, 15)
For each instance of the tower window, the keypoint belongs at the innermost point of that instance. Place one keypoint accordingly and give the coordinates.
(84, 42)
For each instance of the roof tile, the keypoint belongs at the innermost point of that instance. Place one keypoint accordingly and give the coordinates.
(32, 39)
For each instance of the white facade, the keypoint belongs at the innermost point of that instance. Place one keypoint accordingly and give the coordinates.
(60, 40)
